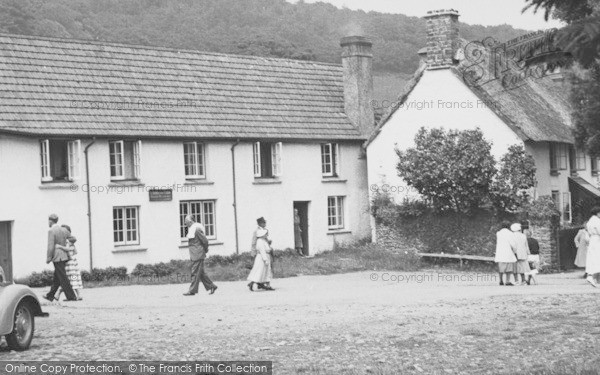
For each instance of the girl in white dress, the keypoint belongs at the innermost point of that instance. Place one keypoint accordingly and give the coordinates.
(262, 272)
(592, 265)
(72, 266)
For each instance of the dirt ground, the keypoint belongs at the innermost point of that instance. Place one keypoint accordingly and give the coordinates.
(369, 322)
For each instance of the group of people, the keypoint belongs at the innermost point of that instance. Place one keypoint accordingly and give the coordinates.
(63, 254)
(517, 253)
(587, 241)
(67, 276)
(262, 270)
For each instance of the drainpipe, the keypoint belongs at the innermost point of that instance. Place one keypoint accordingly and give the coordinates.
(235, 217)
(89, 200)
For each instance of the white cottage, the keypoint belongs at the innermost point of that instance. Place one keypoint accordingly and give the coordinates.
(122, 141)
(462, 85)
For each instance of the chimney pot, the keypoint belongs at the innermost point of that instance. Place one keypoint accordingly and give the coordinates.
(442, 37)
(357, 63)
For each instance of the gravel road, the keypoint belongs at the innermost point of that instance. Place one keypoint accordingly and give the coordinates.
(424, 322)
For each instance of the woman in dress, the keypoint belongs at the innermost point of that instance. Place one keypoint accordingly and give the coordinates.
(262, 272)
(522, 252)
(298, 234)
(72, 266)
(592, 265)
(582, 239)
(505, 256)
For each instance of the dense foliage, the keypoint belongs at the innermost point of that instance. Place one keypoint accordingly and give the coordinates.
(451, 169)
(257, 27)
(511, 188)
(581, 38)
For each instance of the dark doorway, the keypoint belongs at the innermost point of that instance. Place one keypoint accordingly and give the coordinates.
(566, 247)
(5, 249)
(302, 208)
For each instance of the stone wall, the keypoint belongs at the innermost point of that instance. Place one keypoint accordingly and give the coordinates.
(393, 238)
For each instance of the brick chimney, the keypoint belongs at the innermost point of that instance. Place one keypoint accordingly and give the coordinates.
(442, 38)
(357, 61)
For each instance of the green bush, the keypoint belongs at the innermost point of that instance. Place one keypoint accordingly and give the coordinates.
(38, 279)
(154, 270)
(109, 273)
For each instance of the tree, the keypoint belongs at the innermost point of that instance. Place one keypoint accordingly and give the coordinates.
(580, 38)
(452, 169)
(516, 176)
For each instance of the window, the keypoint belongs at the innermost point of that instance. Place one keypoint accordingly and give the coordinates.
(193, 155)
(576, 159)
(60, 160)
(203, 213)
(267, 159)
(335, 212)
(558, 156)
(556, 199)
(329, 159)
(125, 160)
(594, 163)
(566, 207)
(126, 226)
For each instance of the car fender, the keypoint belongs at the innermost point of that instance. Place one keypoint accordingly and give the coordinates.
(10, 297)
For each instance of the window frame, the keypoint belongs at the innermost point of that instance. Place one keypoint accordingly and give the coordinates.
(123, 221)
(576, 159)
(334, 157)
(202, 214)
(338, 216)
(73, 159)
(199, 160)
(136, 156)
(559, 155)
(594, 165)
(275, 158)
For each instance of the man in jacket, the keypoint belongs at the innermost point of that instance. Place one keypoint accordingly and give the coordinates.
(198, 245)
(58, 235)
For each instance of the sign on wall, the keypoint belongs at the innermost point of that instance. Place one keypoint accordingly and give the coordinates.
(160, 195)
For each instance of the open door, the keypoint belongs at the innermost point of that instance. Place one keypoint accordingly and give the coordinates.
(6, 250)
(302, 207)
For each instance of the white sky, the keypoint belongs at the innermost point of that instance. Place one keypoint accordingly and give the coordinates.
(482, 12)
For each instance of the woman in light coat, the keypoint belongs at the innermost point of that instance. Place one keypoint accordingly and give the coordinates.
(505, 256)
(522, 252)
(592, 265)
(262, 271)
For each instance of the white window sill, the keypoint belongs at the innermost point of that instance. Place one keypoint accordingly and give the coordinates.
(266, 181)
(199, 181)
(129, 249)
(58, 185)
(185, 245)
(338, 231)
(116, 183)
(326, 180)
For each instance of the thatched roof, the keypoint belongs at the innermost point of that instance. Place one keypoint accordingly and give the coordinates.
(60, 87)
(536, 109)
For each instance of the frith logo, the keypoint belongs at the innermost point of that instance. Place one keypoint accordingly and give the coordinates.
(512, 62)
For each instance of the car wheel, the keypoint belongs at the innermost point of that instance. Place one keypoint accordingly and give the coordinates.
(22, 334)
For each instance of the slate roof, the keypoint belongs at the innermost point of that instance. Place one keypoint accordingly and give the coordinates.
(536, 109)
(65, 87)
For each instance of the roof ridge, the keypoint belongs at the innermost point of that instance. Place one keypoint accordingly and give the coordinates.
(158, 48)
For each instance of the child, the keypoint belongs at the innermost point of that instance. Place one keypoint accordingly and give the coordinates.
(72, 267)
(533, 258)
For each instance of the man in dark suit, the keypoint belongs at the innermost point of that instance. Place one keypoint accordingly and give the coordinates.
(58, 235)
(198, 245)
